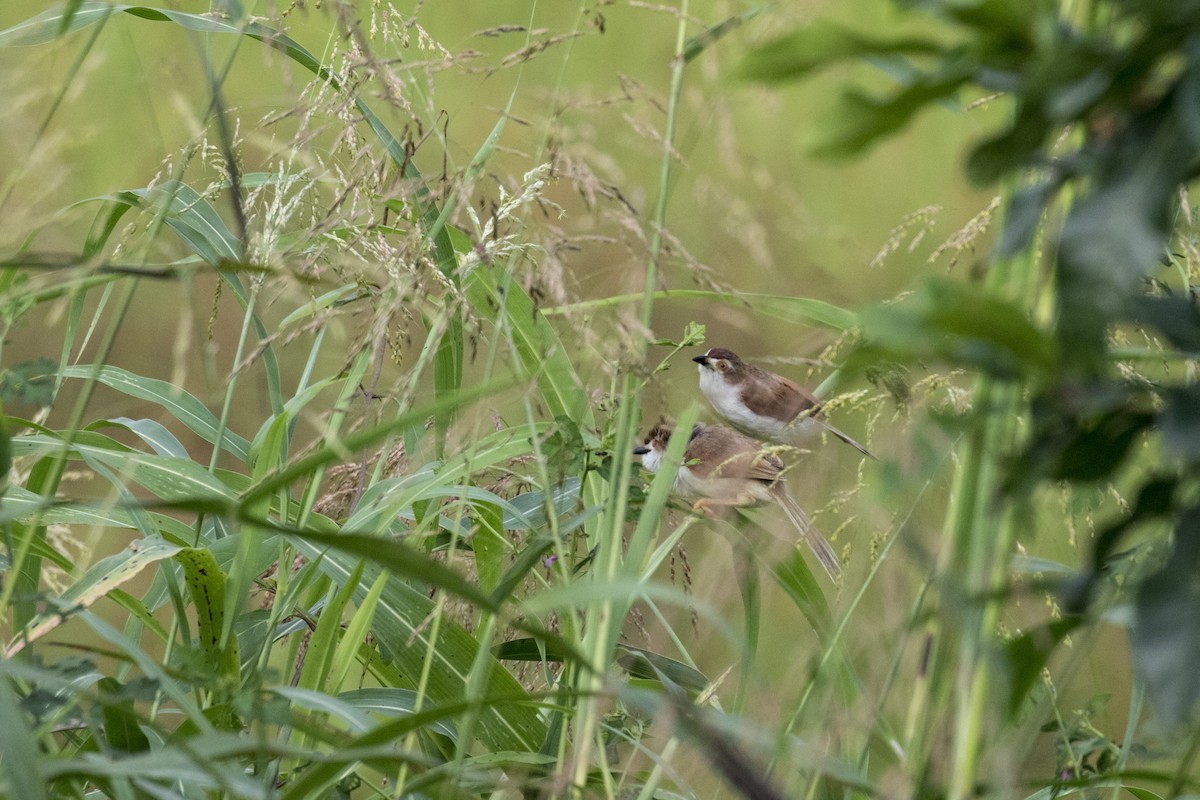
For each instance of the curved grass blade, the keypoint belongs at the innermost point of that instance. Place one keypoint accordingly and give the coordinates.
(401, 619)
(796, 310)
(103, 577)
(184, 407)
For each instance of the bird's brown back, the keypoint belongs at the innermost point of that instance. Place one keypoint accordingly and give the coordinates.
(719, 452)
(767, 393)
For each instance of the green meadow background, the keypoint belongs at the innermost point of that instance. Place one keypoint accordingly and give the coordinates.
(556, 137)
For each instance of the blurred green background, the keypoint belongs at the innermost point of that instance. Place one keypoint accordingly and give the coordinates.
(749, 210)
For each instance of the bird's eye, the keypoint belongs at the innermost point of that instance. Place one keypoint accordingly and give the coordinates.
(722, 366)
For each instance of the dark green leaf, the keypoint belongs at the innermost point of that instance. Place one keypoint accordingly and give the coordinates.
(1025, 209)
(1174, 317)
(1028, 654)
(699, 43)
(638, 662)
(794, 575)
(1179, 422)
(122, 729)
(819, 45)
(949, 322)
(859, 120)
(1166, 636)
(30, 383)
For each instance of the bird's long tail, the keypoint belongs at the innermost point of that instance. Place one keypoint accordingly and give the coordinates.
(847, 439)
(813, 537)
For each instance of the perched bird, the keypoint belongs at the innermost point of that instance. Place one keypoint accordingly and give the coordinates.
(721, 467)
(760, 403)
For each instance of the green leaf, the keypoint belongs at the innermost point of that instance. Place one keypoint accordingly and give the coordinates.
(394, 703)
(949, 322)
(30, 382)
(122, 728)
(1028, 655)
(796, 578)
(636, 661)
(195, 220)
(5, 456)
(161, 440)
(19, 751)
(489, 545)
(858, 120)
(194, 415)
(819, 45)
(21, 504)
(402, 617)
(695, 45)
(103, 577)
(1165, 638)
(1023, 216)
(206, 585)
(496, 296)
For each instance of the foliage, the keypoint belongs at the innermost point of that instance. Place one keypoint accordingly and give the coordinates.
(402, 549)
(1097, 147)
(402, 569)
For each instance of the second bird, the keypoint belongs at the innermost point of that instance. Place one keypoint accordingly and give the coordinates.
(760, 403)
(723, 468)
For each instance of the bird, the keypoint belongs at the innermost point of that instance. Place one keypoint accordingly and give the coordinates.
(762, 404)
(721, 467)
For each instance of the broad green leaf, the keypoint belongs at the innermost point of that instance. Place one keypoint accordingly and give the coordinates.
(496, 296)
(192, 217)
(1028, 655)
(21, 504)
(206, 585)
(819, 45)
(323, 643)
(858, 120)
(175, 480)
(638, 662)
(356, 720)
(796, 578)
(161, 440)
(402, 618)
(104, 576)
(355, 635)
(193, 414)
(1165, 638)
(19, 751)
(122, 726)
(489, 546)
(392, 702)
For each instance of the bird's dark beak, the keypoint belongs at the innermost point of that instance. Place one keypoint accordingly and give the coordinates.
(641, 450)
(701, 360)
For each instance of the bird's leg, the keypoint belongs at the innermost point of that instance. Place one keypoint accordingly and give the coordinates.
(706, 504)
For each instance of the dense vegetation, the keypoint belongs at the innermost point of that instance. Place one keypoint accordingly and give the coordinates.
(382, 535)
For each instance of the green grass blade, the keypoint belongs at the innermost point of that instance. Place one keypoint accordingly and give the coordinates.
(194, 415)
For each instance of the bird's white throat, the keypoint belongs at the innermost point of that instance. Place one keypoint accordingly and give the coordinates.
(652, 459)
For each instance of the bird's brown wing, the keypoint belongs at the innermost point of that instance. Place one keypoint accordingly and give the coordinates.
(720, 452)
(773, 394)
